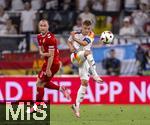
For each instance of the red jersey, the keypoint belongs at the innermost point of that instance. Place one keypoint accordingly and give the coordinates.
(49, 41)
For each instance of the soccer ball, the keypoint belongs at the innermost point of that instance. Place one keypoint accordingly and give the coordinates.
(106, 37)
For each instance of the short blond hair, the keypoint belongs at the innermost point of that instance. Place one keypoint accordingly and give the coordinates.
(44, 20)
(87, 23)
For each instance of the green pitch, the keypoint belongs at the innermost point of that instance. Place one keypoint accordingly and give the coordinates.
(101, 115)
(90, 115)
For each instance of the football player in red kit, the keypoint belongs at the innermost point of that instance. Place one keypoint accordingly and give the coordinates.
(48, 50)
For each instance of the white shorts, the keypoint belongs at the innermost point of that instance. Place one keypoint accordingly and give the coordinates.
(78, 58)
(84, 71)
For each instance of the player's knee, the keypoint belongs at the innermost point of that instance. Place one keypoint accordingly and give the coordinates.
(84, 83)
(87, 52)
(40, 84)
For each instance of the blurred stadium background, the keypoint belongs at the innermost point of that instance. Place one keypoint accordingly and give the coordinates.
(126, 59)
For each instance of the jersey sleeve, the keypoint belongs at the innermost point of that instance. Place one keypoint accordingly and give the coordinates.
(52, 42)
(52, 45)
(70, 37)
(89, 38)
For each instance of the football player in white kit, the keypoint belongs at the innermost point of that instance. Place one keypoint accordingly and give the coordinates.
(80, 45)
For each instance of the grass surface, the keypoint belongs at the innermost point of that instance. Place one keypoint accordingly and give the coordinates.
(101, 115)
(90, 115)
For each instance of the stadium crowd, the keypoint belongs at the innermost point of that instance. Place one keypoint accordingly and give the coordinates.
(136, 13)
(126, 18)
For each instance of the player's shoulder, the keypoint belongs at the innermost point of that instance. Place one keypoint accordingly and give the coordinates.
(91, 34)
(49, 33)
(51, 38)
(39, 36)
(90, 37)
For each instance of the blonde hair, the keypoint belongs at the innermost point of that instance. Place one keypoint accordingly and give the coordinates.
(44, 20)
(87, 22)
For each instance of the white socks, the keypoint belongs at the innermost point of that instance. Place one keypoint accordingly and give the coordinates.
(80, 95)
(91, 62)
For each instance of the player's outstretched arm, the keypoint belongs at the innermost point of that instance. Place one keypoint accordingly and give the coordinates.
(83, 43)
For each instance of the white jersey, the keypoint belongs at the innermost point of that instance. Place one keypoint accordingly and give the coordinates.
(89, 38)
(78, 57)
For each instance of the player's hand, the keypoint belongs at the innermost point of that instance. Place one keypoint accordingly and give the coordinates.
(48, 73)
(73, 35)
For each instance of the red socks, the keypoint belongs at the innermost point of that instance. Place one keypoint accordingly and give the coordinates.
(39, 95)
(40, 91)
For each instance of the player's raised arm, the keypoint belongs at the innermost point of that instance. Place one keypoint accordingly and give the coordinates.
(82, 43)
(70, 44)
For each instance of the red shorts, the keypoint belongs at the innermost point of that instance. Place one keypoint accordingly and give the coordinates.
(42, 74)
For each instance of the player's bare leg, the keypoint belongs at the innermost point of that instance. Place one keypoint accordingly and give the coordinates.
(91, 62)
(80, 96)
